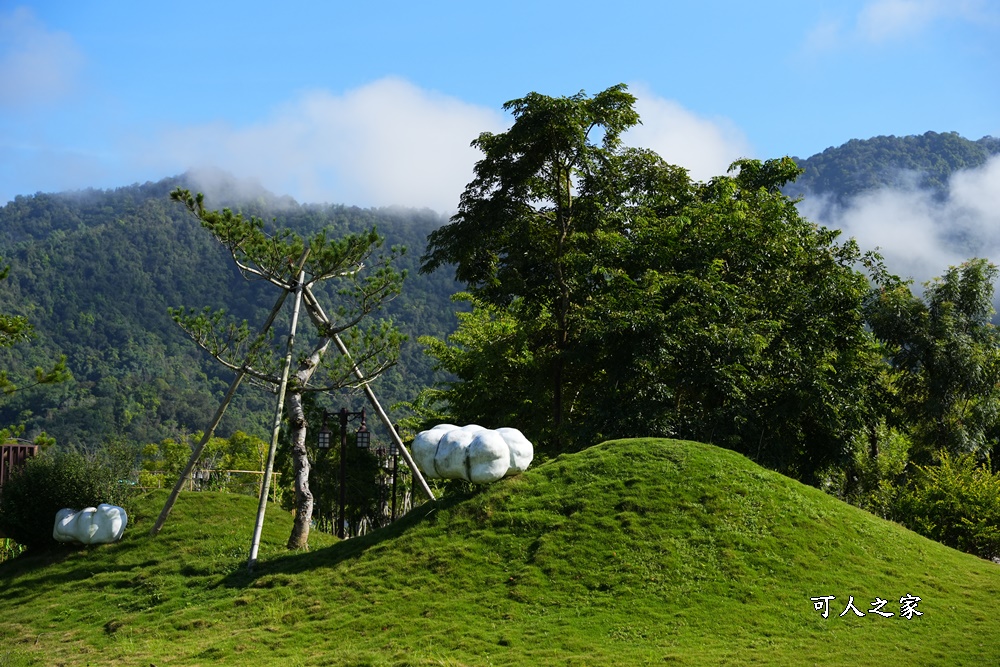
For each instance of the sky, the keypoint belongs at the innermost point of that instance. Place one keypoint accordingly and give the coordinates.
(375, 104)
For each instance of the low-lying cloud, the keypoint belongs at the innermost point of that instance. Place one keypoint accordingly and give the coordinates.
(392, 143)
(919, 235)
(386, 143)
(704, 146)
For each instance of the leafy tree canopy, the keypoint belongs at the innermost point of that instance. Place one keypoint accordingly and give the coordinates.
(945, 353)
(615, 293)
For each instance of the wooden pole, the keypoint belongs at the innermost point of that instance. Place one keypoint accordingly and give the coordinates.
(279, 408)
(215, 422)
(317, 309)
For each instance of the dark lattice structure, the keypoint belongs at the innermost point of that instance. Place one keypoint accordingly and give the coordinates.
(12, 456)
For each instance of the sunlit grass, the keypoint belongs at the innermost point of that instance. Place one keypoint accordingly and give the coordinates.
(631, 552)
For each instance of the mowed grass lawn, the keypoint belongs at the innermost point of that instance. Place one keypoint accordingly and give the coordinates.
(632, 552)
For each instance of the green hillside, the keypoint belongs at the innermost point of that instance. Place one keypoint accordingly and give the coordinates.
(95, 273)
(631, 552)
(924, 161)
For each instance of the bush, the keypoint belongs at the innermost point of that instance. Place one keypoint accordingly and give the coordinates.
(957, 503)
(872, 480)
(9, 549)
(54, 480)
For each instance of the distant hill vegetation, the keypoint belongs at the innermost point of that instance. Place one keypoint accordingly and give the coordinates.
(924, 161)
(95, 272)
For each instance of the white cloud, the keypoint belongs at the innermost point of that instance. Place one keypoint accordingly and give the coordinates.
(385, 143)
(920, 237)
(825, 36)
(705, 146)
(390, 143)
(882, 21)
(886, 19)
(37, 66)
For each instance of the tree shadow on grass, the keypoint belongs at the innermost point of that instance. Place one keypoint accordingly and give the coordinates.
(29, 576)
(345, 550)
(37, 572)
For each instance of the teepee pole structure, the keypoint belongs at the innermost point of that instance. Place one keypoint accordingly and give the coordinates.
(278, 410)
(317, 310)
(196, 454)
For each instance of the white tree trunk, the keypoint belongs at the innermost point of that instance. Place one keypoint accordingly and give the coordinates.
(299, 539)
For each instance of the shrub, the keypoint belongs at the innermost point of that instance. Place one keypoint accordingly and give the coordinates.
(54, 480)
(873, 478)
(9, 549)
(957, 503)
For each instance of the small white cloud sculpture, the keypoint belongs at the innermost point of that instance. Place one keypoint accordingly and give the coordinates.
(94, 525)
(473, 453)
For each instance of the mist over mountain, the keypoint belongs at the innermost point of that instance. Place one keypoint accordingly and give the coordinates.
(925, 202)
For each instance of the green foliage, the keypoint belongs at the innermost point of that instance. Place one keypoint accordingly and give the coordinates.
(76, 255)
(162, 463)
(945, 354)
(924, 161)
(493, 353)
(55, 480)
(737, 322)
(956, 502)
(10, 549)
(168, 456)
(16, 329)
(614, 297)
(876, 473)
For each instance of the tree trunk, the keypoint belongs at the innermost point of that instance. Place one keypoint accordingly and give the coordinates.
(299, 539)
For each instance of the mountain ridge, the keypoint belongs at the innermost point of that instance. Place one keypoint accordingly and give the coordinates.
(75, 255)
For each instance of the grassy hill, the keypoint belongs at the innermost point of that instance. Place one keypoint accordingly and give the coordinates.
(631, 552)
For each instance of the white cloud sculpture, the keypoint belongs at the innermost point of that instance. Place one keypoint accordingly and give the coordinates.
(94, 525)
(473, 453)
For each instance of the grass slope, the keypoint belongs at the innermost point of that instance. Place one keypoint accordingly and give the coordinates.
(631, 552)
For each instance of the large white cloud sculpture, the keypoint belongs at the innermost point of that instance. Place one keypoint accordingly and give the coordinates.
(94, 525)
(473, 453)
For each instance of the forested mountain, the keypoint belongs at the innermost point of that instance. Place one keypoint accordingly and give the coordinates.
(922, 161)
(95, 273)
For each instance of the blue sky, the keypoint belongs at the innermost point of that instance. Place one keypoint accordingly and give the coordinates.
(375, 103)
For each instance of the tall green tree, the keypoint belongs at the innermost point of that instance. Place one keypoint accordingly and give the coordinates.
(543, 193)
(736, 322)
(650, 304)
(945, 353)
(361, 291)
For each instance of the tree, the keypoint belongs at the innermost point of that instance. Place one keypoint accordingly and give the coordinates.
(945, 353)
(16, 329)
(740, 323)
(543, 193)
(650, 304)
(361, 292)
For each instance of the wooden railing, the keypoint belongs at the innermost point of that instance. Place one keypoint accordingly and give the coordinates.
(210, 480)
(12, 456)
